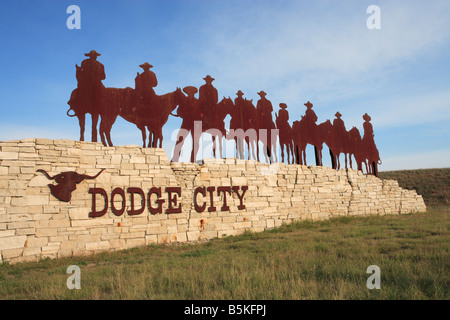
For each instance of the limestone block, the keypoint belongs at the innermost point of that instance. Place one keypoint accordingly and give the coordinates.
(14, 242)
(99, 245)
(37, 200)
(9, 155)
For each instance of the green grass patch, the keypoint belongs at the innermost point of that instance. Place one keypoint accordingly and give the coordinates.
(303, 260)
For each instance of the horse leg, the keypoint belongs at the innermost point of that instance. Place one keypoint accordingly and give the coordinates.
(316, 155)
(289, 146)
(219, 138)
(375, 169)
(257, 146)
(333, 162)
(252, 142)
(292, 150)
(144, 134)
(94, 127)
(160, 137)
(273, 154)
(195, 147)
(82, 122)
(108, 135)
(151, 138)
(288, 153)
(102, 132)
(213, 145)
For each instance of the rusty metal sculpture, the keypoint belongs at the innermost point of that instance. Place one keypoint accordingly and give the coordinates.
(66, 183)
(90, 94)
(371, 152)
(249, 125)
(285, 133)
(306, 132)
(189, 111)
(265, 128)
(140, 106)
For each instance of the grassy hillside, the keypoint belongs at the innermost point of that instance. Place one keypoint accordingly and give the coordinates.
(432, 184)
(305, 260)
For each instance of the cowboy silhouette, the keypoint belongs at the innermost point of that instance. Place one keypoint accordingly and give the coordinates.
(236, 119)
(91, 71)
(264, 109)
(208, 98)
(339, 132)
(189, 111)
(91, 94)
(144, 84)
(339, 142)
(310, 115)
(285, 132)
(264, 117)
(371, 151)
(236, 122)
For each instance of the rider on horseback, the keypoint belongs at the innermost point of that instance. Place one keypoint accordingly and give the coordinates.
(208, 98)
(189, 111)
(144, 84)
(264, 109)
(339, 132)
(310, 115)
(90, 76)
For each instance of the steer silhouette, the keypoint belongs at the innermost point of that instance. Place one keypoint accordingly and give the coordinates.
(67, 182)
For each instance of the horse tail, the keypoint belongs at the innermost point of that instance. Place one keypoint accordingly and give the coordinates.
(71, 115)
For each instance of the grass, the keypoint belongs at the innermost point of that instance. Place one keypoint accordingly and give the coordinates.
(432, 184)
(304, 260)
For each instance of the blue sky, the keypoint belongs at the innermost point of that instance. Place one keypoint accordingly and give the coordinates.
(296, 51)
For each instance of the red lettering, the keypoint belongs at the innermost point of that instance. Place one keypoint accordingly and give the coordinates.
(198, 208)
(241, 197)
(211, 207)
(132, 191)
(113, 208)
(94, 213)
(159, 201)
(173, 200)
(225, 207)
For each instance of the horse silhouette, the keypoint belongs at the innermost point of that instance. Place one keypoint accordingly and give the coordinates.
(121, 102)
(303, 135)
(217, 127)
(285, 133)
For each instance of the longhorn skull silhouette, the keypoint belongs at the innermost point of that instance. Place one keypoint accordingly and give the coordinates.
(67, 182)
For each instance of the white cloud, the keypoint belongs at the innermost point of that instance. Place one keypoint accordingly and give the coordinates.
(311, 50)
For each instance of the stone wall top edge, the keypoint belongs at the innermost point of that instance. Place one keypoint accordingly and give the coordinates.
(70, 142)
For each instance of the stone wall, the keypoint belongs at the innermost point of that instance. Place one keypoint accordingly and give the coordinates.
(34, 224)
